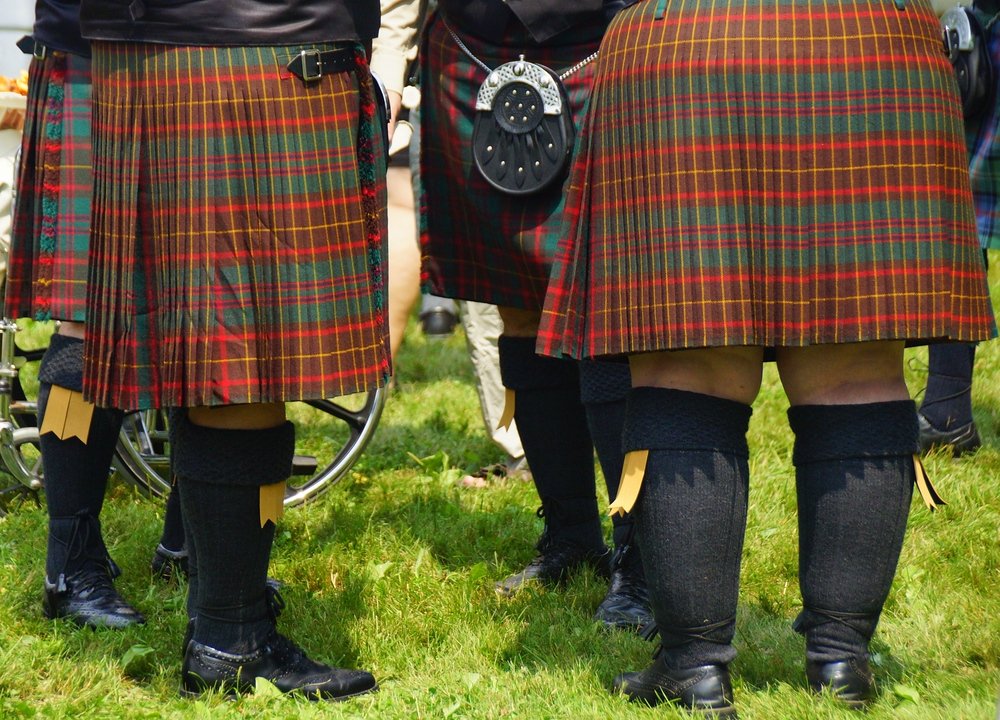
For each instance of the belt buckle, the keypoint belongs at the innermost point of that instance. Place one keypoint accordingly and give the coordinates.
(39, 51)
(314, 55)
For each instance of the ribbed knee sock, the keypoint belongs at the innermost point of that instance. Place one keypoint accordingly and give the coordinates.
(854, 479)
(604, 389)
(557, 445)
(76, 474)
(947, 401)
(220, 473)
(691, 516)
(172, 537)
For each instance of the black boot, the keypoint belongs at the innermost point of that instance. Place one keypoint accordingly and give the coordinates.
(706, 690)
(558, 554)
(945, 415)
(557, 445)
(234, 639)
(854, 478)
(626, 604)
(83, 590)
(78, 569)
(604, 388)
(694, 487)
(170, 558)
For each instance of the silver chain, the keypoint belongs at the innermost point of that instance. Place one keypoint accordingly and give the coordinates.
(458, 41)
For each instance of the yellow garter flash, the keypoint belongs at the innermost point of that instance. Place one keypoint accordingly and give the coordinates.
(930, 496)
(633, 470)
(67, 414)
(272, 502)
(509, 398)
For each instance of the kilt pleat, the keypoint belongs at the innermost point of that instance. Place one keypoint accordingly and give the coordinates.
(238, 247)
(984, 160)
(47, 277)
(477, 243)
(769, 173)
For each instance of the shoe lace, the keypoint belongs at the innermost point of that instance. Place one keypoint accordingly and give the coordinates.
(85, 543)
(95, 583)
(275, 603)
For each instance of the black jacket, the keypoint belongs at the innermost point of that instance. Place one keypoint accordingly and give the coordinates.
(231, 22)
(57, 25)
(544, 20)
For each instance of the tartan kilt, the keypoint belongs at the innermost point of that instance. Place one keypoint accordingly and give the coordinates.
(477, 243)
(984, 159)
(802, 180)
(239, 229)
(47, 276)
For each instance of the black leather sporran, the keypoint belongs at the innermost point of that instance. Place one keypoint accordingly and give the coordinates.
(523, 133)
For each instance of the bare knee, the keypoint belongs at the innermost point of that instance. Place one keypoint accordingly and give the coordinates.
(518, 322)
(846, 374)
(732, 373)
(256, 416)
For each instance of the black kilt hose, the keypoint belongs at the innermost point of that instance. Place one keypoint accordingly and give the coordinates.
(239, 229)
(479, 244)
(769, 173)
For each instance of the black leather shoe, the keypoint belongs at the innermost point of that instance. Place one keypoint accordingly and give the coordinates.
(277, 660)
(626, 606)
(962, 439)
(555, 560)
(169, 564)
(438, 322)
(850, 681)
(706, 690)
(89, 599)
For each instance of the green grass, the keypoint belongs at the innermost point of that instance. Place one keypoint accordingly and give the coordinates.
(393, 571)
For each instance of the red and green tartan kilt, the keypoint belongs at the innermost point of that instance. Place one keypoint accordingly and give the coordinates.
(477, 243)
(239, 229)
(47, 276)
(765, 173)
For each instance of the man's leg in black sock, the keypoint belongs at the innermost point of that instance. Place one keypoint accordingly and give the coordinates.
(946, 410)
(170, 558)
(691, 516)
(78, 569)
(234, 639)
(854, 478)
(604, 388)
(552, 425)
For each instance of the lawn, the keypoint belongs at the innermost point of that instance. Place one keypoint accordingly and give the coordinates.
(393, 571)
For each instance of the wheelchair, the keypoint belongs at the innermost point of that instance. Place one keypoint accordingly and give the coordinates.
(334, 433)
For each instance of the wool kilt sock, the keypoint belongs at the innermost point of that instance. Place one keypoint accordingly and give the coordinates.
(854, 479)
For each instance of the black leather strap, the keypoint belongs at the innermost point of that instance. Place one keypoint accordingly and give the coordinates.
(311, 64)
(29, 46)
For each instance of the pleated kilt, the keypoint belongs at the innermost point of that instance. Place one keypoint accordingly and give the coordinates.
(47, 276)
(477, 243)
(239, 229)
(769, 173)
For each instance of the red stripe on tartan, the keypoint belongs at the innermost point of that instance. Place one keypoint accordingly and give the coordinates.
(806, 66)
(268, 124)
(869, 192)
(817, 13)
(775, 327)
(802, 146)
(798, 280)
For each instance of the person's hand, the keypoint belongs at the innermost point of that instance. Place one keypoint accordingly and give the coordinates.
(395, 103)
(12, 120)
